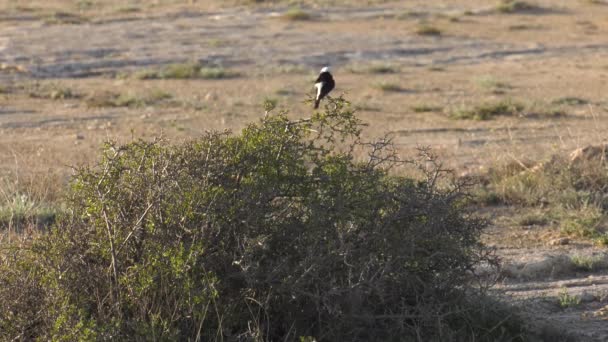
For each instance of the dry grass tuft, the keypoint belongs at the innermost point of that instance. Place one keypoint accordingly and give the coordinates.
(296, 14)
(191, 70)
(113, 99)
(488, 111)
(428, 30)
(387, 86)
(514, 6)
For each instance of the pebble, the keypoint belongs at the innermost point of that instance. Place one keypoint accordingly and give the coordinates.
(559, 242)
(587, 297)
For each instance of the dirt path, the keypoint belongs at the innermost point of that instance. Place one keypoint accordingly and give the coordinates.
(248, 38)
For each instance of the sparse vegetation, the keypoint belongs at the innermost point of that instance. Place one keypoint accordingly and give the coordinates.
(113, 99)
(382, 69)
(488, 111)
(406, 15)
(128, 9)
(514, 6)
(436, 68)
(522, 27)
(64, 18)
(569, 101)
(187, 71)
(508, 107)
(567, 300)
(387, 86)
(52, 90)
(374, 68)
(28, 204)
(296, 14)
(216, 42)
(19, 211)
(290, 69)
(491, 83)
(284, 92)
(428, 30)
(581, 222)
(589, 263)
(572, 193)
(423, 108)
(533, 219)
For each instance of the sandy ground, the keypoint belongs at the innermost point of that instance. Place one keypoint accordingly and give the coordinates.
(540, 58)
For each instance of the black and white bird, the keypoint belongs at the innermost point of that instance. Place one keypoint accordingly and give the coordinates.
(324, 84)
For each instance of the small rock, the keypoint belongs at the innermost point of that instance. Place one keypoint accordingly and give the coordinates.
(210, 96)
(559, 242)
(79, 136)
(552, 266)
(603, 312)
(589, 153)
(587, 297)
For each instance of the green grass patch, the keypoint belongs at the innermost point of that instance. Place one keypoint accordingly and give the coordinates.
(387, 86)
(112, 99)
(284, 92)
(18, 211)
(216, 42)
(374, 68)
(128, 9)
(533, 219)
(436, 68)
(296, 14)
(523, 27)
(423, 108)
(407, 15)
(589, 263)
(507, 107)
(492, 83)
(573, 195)
(52, 91)
(570, 101)
(289, 69)
(382, 69)
(566, 300)
(428, 30)
(488, 111)
(514, 6)
(64, 18)
(187, 71)
(584, 222)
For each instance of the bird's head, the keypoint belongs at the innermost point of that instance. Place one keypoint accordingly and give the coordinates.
(325, 69)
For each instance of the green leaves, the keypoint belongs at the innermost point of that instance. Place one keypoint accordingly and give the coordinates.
(270, 234)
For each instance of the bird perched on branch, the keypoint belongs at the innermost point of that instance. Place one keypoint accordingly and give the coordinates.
(324, 84)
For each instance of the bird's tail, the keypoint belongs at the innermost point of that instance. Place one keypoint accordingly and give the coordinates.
(317, 103)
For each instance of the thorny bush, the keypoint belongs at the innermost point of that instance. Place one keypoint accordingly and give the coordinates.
(274, 234)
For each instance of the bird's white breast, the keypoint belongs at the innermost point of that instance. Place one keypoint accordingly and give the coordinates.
(318, 86)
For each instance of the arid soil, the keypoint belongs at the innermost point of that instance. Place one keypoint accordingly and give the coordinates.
(408, 66)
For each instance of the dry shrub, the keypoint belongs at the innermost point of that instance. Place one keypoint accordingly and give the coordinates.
(574, 192)
(271, 234)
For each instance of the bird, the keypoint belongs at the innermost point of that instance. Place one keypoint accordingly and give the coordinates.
(324, 84)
